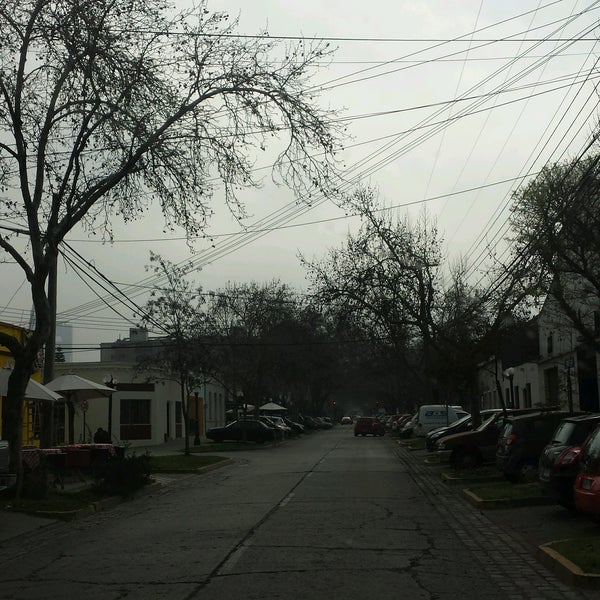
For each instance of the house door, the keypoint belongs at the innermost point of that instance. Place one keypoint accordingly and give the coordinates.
(551, 385)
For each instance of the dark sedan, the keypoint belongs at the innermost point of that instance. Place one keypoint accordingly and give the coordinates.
(248, 430)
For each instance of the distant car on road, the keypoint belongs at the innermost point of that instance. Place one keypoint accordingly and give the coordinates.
(346, 420)
(368, 426)
(249, 430)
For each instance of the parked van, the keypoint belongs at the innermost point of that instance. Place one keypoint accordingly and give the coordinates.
(432, 416)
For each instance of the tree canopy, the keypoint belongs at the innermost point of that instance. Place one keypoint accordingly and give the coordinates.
(108, 107)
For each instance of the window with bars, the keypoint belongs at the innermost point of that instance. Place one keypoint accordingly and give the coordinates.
(135, 419)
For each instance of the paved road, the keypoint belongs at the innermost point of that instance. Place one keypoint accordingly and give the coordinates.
(327, 516)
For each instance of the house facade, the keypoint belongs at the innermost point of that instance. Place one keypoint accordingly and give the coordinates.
(562, 371)
(568, 366)
(141, 411)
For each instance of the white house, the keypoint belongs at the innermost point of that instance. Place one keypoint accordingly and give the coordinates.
(140, 412)
(565, 371)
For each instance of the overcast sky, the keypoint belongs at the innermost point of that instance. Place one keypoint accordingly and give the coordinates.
(447, 126)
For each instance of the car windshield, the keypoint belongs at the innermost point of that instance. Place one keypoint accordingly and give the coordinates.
(563, 432)
(592, 447)
(461, 421)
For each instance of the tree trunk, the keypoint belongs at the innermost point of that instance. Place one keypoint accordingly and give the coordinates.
(13, 413)
(186, 419)
(46, 409)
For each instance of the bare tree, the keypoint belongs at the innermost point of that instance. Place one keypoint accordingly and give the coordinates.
(391, 277)
(106, 107)
(556, 232)
(176, 309)
(388, 274)
(246, 319)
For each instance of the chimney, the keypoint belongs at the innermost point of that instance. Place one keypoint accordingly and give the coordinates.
(138, 334)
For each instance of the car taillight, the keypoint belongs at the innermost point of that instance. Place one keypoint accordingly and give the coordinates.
(569, 456)
(510, 439)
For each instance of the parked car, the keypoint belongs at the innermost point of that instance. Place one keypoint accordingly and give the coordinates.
(297, 428)
(250, 430)
(281, 424)
(432, 416)
(346, 420)
(586, 490)
(368, 426)
(408, 427)
(464, 424)
(471, 448)
(397, 422)
(521, 441)
(324, 422)
(559, 461)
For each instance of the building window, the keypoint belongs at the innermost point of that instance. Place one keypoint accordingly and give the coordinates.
(550, 344)
(135, 419)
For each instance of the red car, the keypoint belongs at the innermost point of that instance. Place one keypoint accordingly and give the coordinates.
(587, 484)
(368, 426)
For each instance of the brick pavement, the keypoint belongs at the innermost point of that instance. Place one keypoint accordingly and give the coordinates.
(501, 554)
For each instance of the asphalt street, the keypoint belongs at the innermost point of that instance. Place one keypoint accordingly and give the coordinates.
(325, 516)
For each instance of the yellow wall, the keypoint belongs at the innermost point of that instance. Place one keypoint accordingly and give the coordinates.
(29, 408)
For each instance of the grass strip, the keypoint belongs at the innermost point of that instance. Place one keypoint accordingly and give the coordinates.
(583, 552)
(507, 491)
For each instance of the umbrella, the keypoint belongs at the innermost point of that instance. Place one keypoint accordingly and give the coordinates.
(78, 388)
(273, 407)
(34, 390)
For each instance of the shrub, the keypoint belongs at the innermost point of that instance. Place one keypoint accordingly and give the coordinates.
(122, 476)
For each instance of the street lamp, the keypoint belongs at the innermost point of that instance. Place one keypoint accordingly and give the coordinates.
(111, 383)
(197, 436)
(510, 373)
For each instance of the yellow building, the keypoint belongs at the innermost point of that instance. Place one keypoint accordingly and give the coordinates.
(30, 409)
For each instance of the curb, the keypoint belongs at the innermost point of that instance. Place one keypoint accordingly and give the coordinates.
(566, 570)
(453, 480)
(199, 470)
(478, 502)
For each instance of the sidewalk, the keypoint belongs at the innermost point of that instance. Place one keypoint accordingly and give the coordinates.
(15, 524)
